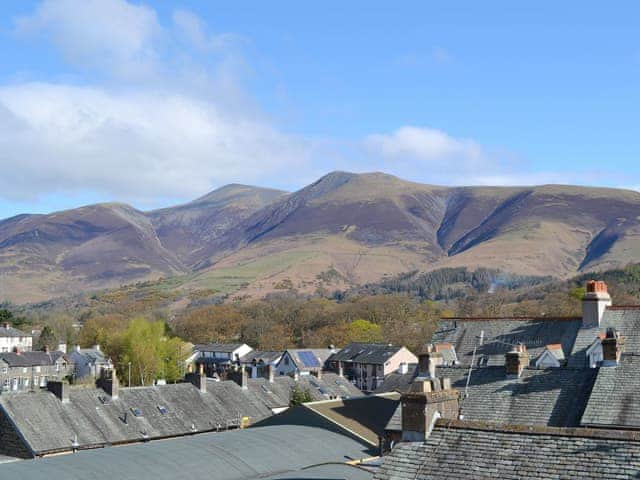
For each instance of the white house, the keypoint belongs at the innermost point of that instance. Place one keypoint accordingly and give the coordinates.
(12, 339)
(218, 357)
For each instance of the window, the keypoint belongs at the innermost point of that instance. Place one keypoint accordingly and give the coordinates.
(24, 370)
(286, 360)
(36, 380)
(38, 369)
(136, 412)
(162, 409)
(5, 370)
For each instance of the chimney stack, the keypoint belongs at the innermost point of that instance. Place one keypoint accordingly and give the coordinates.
(340, 369)
(198, 380)
(426, 402)
(612, 348)
(59, 389)
(318, 373)
(271, 372)
(594, 303)
(403, 368)
(6, 325)
(244, 379)
(109, 382)
(428, 361)
(296, 375)
(516, 360)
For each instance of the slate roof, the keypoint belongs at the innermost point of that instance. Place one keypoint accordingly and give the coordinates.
(364, 418)
(554, 396)
(12, 332)
(463, 450)
(261, 356)
(615, 398)
(30, 359)
(278, 393)
(501, 333)
(625, 320)
(217, 347)
(93, 418)
(232, 455)
(371, 353)
(91, 355)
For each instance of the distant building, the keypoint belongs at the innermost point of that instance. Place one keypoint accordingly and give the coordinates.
(12, 338)
(303, 361)
(25, 371)
(259, 362)
(89, 362)
(366, 364)
(219, 357)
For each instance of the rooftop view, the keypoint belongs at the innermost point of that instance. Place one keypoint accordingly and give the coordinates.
(345, 240)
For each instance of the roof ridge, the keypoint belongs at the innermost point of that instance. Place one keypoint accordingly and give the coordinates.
(578, 432)
(517, 318)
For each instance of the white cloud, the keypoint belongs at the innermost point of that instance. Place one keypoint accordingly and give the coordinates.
(135, 146)
(427, 147)
(113, 36)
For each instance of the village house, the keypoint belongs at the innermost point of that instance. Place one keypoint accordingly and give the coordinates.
(26, 371)
(217, 358)
(12, 338)
(366, 364)
(260, 362)
(89, 362)
(303, 361)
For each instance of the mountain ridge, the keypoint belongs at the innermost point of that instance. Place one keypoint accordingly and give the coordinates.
(252, 240)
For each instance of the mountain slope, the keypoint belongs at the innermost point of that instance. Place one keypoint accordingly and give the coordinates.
(344, 229)
(188, 228)
(89, 247)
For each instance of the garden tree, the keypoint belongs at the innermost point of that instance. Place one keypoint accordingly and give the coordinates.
(151, 353)
(46, 339)
(5, 315)
(103, 330)
(363, 331)
(299, 396)
(212, 323)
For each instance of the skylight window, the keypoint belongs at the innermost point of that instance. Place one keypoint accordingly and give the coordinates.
(136, 412)
(162, 409)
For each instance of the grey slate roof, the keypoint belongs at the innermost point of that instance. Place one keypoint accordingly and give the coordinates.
(278, 393)
(615, 398)
(625, 320)
(233, 455)
(261, 356)
(365, 417)
(30, 359)
(91, 355)
(373, 353)
(12, 332)
(93, 418)
(501, 334)
(461, 450)
(554, 396)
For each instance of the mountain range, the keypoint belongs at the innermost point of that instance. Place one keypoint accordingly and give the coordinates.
(344, 229)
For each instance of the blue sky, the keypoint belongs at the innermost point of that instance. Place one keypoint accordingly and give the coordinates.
(155, 103)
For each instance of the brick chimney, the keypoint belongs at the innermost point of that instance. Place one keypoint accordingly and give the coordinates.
(427, 401)
(594, 303)
(612, 348)
(428, 361)
(59, 389)
(516, 360)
